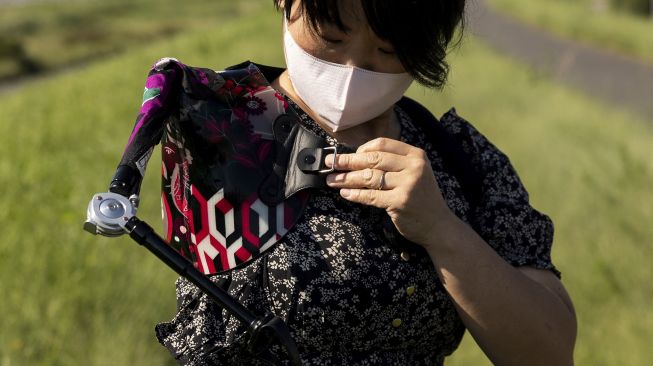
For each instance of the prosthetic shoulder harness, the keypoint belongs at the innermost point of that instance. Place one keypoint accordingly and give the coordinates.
(235, 160)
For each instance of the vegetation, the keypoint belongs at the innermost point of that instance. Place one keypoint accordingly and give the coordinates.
(73, 299)
(588, 166)
(587, 21)
(640, 7)
(43, 36)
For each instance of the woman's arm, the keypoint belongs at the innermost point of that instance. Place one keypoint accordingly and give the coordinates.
(518, 316)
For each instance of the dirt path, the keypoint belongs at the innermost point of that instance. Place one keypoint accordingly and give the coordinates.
(613, 78)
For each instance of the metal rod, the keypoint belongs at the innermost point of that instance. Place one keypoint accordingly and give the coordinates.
(262, 330)
(142, 233)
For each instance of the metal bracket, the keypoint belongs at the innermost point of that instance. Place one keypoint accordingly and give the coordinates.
(108, 213)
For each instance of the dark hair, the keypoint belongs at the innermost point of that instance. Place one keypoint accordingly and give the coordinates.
(419, 30)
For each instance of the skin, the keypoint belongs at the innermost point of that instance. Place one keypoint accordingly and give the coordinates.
(517, 315)
(359, 47)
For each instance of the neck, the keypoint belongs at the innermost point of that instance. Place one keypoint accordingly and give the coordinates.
(385, 125)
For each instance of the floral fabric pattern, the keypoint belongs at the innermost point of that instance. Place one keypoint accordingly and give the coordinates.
(218, 148)
(349, 295)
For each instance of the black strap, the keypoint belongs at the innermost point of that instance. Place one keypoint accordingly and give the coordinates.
(307, 168)
(454, 159)
(299, 162)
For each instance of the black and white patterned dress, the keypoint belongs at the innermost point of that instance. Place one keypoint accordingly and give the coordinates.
(350, 296)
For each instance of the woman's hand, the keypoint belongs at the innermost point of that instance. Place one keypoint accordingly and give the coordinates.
(397, 177)
(541, 328)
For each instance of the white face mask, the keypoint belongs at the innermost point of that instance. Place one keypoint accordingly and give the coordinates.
(343, 96)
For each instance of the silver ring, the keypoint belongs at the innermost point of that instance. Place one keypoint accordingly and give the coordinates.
(382, 181)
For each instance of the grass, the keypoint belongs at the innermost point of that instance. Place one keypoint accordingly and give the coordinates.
(619, 31)
(45, 36)
(73, 299)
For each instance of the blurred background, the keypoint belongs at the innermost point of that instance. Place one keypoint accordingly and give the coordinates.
(71, 78)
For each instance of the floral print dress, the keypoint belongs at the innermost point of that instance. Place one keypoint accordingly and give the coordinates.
(349, 295)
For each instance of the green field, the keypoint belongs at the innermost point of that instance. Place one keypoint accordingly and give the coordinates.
(73, 299)
(44, 36)
(583, 20)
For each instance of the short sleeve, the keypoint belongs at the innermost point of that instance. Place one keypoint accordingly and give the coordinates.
(503, 217)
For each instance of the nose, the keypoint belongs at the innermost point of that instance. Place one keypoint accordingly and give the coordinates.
(362, 65)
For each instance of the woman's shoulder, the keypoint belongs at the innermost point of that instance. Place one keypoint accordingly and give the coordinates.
(500, 207)
(449, 125)
(452, 135)
(447, 141)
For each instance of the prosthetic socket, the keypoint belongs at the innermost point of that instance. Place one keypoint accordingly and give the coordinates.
(235, 164)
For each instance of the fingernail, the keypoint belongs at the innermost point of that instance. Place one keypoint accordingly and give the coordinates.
(345, 192)
(334, 178)
(328, 160)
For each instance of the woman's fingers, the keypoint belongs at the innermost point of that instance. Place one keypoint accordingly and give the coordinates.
(387, 145)
(381, 153)
(382, 173)
(379, 160)
(366, 178)
(370, 197)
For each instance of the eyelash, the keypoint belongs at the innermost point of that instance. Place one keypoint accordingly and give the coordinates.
(332, 41)
(338, 41)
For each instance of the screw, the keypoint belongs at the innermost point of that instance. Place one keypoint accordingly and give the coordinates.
(99, 198)
(309, 159)
(126, 218)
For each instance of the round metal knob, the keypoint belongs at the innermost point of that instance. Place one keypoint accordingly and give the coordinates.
(112, 209)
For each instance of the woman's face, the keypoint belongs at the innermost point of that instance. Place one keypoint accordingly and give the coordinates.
(356, 46)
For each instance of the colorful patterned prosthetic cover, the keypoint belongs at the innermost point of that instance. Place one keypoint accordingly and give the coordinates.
(216, 133)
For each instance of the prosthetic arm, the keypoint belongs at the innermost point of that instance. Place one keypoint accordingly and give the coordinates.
(114, 213)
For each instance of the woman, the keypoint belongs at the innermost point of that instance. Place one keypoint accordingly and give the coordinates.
(351, 295)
